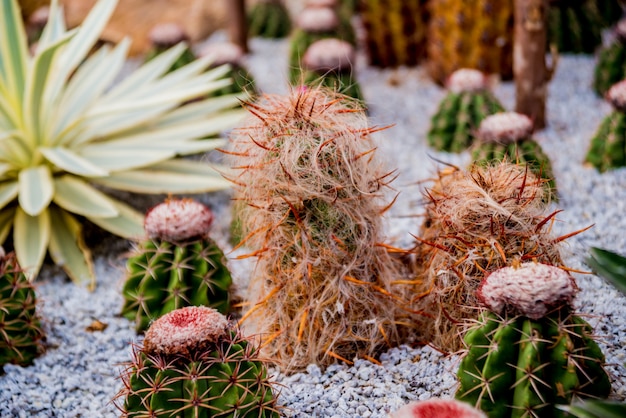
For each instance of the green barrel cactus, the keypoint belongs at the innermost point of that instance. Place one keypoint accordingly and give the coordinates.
(163, 37)
(178, 265)
(194, 364)
(468, 102)
(529, 352)
(575, 26)
(21, 336)
(608, 146)
(611, 63)
(231, 54)
(269, 19)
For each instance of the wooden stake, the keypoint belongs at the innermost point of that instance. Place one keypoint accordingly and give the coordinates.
(237, 24)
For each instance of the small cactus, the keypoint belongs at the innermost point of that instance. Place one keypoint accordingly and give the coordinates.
(21, 336)
(575, 26)
(468, 102)
(230, 54)
(194, 364)
(164, 36)
(269, 19)
(611, 63)
(177, 265)
(437, 408)
(529, 352)
(608, 146)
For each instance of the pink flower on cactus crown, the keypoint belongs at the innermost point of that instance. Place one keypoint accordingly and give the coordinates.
(329, 54)
(505, 128)
(318, 19)
(177, 220)
(223, 53)
(466, 80)
(438, 408)
(617, 95)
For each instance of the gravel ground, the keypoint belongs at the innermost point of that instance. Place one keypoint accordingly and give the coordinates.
(77, 376)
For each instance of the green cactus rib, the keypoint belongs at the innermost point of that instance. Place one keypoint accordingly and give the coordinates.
(341, 82)
(610, 67)
(164, 276)
(226, 380)
(575, 26)
(608, 146)
(269, 20)
(458, 117)
(519, 367)
(243, 82)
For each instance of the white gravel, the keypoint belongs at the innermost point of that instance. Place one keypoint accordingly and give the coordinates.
(77, 376)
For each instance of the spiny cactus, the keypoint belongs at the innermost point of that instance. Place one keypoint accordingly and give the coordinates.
(230, 53)
(477, 221)
(611, 64)
(530, 352)
(21, 336)
(608, 146)
(575, 26)
(468, 102)
(269, 19)
(437, 408)
(194, 364)
(163, 37)
(177, 265)
(323, 286)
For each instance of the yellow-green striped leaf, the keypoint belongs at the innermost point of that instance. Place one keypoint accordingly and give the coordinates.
(31, 235)
(35, 189)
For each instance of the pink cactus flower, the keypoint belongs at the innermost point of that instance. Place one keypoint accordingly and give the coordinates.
(329, 55)
(318, 19)
(466, 80)
(177, 220)
(505, 127)
(438, 408)
(617, 95)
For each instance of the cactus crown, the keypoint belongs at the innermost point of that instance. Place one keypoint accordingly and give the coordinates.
(329, 54)
(466, 80)
(318, 19)
(437, 408)
(505, 127)
(178, 220)
(223, 53)
(166, 35)
(616, 95)
(620, 30)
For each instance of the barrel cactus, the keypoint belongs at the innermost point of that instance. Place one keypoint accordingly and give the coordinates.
(608, 146)
(575, 26)
(530, 352)
(269, 19)
(21, 336)
(611, 64)
(231, 54)
(193, 363)
(177, 265)
(467, 103)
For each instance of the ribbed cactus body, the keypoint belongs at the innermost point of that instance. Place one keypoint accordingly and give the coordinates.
(163, 276)
(575, 26)
(610, 66)
(269, 19)
(395, 31)
(470, 34)
(521, 367)
(20, 332)
(458, 117)
(608, 146)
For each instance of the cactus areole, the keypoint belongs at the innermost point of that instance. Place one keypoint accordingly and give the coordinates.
(178, 220)
(617, 96)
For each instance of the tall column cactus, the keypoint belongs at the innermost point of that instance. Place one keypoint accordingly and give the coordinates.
(575, 25)
(269, 19)
(530, 352)
(611, 64)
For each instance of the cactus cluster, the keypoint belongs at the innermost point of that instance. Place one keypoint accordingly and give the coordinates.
(611, 64)
(21, 336)
(575, 26)
(231, 54)
(530, 352)
(193, 363)
(177, 265)
(459, 114)
(163, 37)
(269, 19)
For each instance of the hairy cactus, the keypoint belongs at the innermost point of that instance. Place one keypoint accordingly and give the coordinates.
(231, 54)
(470, 34)
(468, 102)
(608, 146)
(21, 336)
(194, 364)
(323, 286)
(530, 352)
(437, 408)
(395, 31)
(611, 64)
(178, 265)
(163, 37)
(575, 26)
(269, 19)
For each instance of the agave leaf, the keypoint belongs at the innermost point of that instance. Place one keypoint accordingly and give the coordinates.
(13, 52)
(128, 224)
(35, 189)
(120, 159)
(31, 235)
(71, 162)
(6, 222)
(13, 150)
(4, 169)
(68, 250)
(596, 409)
(8, 192)
(194, 111)
(610, 266)
(9, 115)
(55, 28)
(77, 196)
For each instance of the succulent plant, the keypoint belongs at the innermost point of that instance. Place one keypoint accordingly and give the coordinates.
(609, 265)
(193, 363)
(177, 265)
(530, 352)
(437, 408)
(68, 127)
(596, 409)
(232, 55)
(607, 150)
(467, 103)
(21, 336)
(164, 36)
(611, 62)
(324, 284)
(269, 19)
(575, 26)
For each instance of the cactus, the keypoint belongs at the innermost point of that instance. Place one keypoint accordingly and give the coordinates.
(269, 19)
(437, 408)
(163, 37)
(231, 54)
(395, 32)
(610, 10)
(575, 26)
(177, 265)
(608, 146)
(459, 114)
(21, 336)
(529, 352)
(322, 289)
(611, 64)
(508, 135)
(470, 34)
(194, 364)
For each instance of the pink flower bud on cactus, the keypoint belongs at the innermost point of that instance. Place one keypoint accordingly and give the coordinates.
(185, 330)
(530, 289)
(329, 55)
(223, 53)
(39, 18)
(177, 220)
(322, 3)
(505, 128)
(318, 19)
(438, 408)
(466, 80)
(617, 96)
(166, 35)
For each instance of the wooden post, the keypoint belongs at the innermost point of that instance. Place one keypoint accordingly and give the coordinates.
(529, 59)
(237, 24)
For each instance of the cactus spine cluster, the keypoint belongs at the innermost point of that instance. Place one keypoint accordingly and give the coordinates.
(21, 336)
(269, 19)
(194, 364)
(467, 103)
(177, 265)
(476, 34)
(575, 26)
(530, 353)
(395, 31)
(611, 64)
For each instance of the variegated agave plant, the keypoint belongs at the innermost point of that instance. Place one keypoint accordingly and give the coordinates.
(68, 124)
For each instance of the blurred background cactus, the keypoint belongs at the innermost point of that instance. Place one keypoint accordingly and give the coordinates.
(165, 36)
(459, 114)
(269, 19)
(231, 55)
(177, 265)
(611, 63)
(575, 26)
(28, 7)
